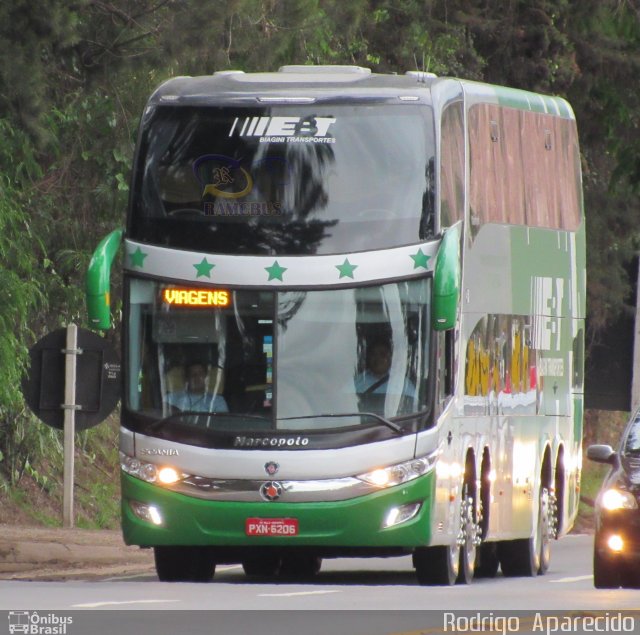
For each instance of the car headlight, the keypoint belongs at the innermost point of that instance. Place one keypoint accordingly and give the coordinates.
(399, 473)
(613, 499)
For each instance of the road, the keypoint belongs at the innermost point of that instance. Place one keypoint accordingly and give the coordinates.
(378, 595)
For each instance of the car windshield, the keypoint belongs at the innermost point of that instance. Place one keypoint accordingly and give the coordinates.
(290, 360)
(632, 441)
(285, 179)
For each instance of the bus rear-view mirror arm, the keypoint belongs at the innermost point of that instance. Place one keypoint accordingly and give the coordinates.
(98, 281)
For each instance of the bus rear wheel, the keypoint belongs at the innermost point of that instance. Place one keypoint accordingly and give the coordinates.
(184, 564)
(487, 563)
(530, 556)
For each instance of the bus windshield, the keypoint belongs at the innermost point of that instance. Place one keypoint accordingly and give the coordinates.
(297, 180)
(287, 360)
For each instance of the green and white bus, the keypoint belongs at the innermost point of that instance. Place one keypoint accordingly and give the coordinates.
(353, 324)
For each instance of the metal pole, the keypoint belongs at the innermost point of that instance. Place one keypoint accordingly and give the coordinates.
(70, 407)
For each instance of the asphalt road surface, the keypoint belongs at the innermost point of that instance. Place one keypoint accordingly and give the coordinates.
(348, 596)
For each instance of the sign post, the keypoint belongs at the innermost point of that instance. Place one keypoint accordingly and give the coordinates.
(55, 396)
(69, 406)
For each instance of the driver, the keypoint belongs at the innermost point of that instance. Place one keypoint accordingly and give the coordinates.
(195, 397)
(375, 377)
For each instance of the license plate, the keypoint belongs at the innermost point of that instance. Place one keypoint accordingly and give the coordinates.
(271, 526)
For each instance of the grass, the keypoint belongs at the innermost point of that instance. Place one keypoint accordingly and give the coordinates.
(600, 427)
(37, 498)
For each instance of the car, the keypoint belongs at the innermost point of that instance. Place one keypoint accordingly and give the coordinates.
(616, 548)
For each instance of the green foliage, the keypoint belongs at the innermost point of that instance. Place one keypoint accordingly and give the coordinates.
(19, 278)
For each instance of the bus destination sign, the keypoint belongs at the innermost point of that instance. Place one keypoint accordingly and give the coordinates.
(196, 297)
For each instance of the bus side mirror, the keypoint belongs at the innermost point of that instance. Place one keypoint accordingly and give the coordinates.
(98, 282)
(446, 281)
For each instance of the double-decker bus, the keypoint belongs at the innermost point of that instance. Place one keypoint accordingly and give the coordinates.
(353, 324)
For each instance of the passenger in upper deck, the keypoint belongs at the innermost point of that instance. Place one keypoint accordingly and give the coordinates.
(196, 397)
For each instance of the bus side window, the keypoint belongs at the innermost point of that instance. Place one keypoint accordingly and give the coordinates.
(452, 166)
(449, 363)
(446, 366)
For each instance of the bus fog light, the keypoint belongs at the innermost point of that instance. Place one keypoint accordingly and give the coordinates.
(148, 513)
(399, 515)
(615, 543)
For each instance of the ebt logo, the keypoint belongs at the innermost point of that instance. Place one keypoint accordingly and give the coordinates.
(284, 129)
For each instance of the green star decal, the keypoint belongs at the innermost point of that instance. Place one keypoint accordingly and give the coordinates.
(346, 269)
(204, 268)
(275, 271)
(420, 259)
(137, 258)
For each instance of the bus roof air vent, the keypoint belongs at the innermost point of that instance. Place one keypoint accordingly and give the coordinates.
(421, 76)
(224, 73)
(326, 68)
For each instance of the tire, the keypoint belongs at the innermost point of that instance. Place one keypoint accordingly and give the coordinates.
(263, 566)
(300, 566)
(487, 562)
(184, 564)
(606, 572)
(529, 557)
(630, 578)
(437, 565)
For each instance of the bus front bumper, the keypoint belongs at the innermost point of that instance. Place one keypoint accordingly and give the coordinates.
(171, 518)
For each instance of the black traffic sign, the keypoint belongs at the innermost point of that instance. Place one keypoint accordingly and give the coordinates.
(98, 380)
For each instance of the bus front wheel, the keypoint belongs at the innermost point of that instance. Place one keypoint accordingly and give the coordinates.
(437, 565)
(184, 564)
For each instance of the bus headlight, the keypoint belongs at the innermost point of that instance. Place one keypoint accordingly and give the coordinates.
(149, 472)
(168, 475)
(399, 473)
(613, 499)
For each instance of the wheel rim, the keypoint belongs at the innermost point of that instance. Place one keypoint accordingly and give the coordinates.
(470, 531)
(468, 537)
(454, 560)
(545, 530)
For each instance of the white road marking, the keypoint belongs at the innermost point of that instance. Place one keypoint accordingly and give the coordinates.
(290, 595)
(95, 605)
(578, 578)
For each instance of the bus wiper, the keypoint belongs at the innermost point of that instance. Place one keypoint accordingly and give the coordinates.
(177, 415)
(392, 426)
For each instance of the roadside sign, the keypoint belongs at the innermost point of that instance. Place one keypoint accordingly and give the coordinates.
(98, 386)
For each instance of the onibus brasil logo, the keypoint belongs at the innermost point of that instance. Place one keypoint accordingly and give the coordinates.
(34, 623)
